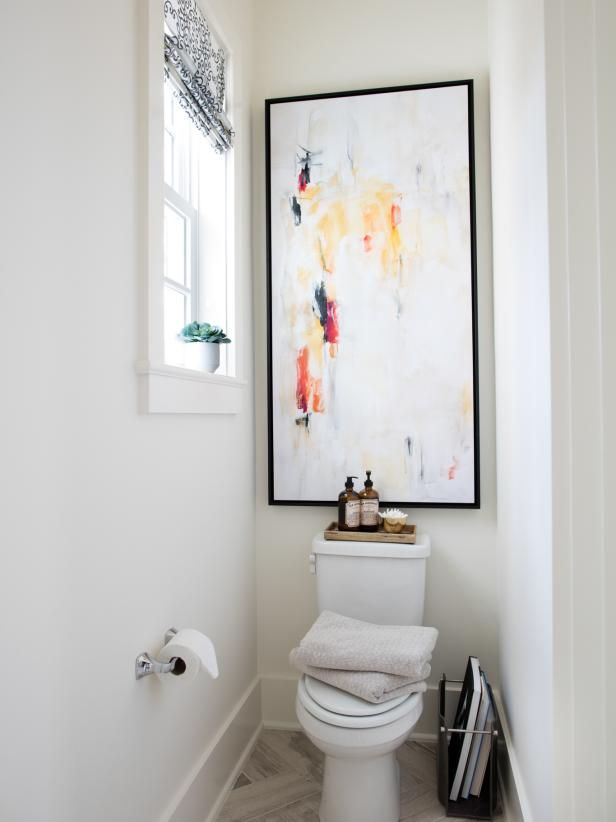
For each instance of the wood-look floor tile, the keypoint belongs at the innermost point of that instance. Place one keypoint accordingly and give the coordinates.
(306, 810)
(409, 781)
(287, 771)
(265, 761)
(297, 751)
(241, 781)
(410, 791)
(422, 808)
(420, 760)
(266, 795)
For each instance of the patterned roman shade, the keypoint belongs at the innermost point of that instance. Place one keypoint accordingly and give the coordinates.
(195, 65)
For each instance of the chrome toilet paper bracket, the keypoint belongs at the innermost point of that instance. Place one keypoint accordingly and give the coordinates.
(145, 665)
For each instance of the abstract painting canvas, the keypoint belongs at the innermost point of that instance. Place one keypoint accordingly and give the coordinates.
(371, 278)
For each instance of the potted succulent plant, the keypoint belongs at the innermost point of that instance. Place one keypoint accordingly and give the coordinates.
(202, 341)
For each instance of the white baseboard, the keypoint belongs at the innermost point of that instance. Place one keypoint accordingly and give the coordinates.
(206, 787)
(515, 803)
(272, 725)
(222, 798)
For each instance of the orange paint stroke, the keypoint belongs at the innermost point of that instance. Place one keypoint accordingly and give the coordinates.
(318, 406)
(303, 386)
(451, 474)
(367, 242)
(396, 216)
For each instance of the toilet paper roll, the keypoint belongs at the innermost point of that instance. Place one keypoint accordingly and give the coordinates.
(194, 651)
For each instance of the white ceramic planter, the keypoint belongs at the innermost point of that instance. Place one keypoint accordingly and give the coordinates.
(202, 356)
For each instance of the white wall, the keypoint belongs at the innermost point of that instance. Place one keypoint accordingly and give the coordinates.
(605, 68)
(580, 70)
(114, 526)
(521, 323)
(332, 46)
(553, 131)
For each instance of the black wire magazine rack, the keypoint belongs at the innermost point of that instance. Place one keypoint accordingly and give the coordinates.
(487, 804)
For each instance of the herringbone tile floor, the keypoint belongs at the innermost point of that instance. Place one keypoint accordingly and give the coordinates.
(281, 782)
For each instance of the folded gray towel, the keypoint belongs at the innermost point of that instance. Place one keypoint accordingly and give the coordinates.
(346, 644)
(369, 685)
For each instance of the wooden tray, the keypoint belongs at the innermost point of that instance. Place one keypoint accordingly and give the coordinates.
(407, 535)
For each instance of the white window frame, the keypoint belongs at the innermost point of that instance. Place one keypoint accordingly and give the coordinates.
(167, 388)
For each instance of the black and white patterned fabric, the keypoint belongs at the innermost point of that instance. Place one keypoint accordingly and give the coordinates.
(195, 65)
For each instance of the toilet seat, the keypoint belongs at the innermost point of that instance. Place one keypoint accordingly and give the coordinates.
(341, 702)
(342, 710)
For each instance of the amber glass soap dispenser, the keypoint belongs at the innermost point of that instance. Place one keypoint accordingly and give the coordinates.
(348, 507)
(369, 506)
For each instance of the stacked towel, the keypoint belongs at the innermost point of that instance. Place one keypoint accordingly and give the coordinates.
(369, 685)
(374, 662)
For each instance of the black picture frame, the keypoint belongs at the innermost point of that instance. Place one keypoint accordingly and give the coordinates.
(404, 503)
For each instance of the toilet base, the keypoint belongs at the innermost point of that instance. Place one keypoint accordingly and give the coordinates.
(361, 790)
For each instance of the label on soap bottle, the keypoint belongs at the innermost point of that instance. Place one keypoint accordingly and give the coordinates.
(369, 511)
(351, 514)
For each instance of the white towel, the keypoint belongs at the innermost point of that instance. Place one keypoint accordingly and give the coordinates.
(346, 644)
(369, 685)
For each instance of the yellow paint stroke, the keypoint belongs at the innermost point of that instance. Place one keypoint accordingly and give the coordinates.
(304, 277)
(332, 227)
(414, 241)
(373, 222)
(330, 286)
(467, 401)
(311, 192)
(292, 309)
(314, 341)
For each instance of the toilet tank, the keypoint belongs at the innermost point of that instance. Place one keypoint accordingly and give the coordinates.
(378, 582)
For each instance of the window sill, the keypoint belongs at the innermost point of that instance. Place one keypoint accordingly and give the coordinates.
(168, 389)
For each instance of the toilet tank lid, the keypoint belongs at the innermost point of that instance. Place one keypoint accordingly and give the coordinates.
(340, 548)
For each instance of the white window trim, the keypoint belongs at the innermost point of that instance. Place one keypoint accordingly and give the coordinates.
(165, 388)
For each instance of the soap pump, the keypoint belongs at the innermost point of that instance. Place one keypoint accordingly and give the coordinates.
(369, 506)
(348, 507)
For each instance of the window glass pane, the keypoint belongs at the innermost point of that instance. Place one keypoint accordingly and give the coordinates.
(168, 95)
(168, 158)
(179, 130)
(212, 236)
(181, 154)
(175, 307)
(175, 245)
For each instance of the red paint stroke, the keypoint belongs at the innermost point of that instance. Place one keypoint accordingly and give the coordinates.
(332, 329)
(396, 215)
(302, 390)
(451, 474)
(318, 406)
(303, 179)
(367, 242)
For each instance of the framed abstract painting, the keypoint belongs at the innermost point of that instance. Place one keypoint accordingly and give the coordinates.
(372, 326)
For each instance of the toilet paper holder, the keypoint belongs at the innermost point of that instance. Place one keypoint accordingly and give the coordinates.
(145, 665)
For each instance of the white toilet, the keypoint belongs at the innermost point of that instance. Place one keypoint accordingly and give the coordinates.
(382, 583)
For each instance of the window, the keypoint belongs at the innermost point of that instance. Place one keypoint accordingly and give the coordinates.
(195, 265)
(189, 212)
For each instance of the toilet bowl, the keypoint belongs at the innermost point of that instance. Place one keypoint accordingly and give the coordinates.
(359, 740)
(383, 583)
